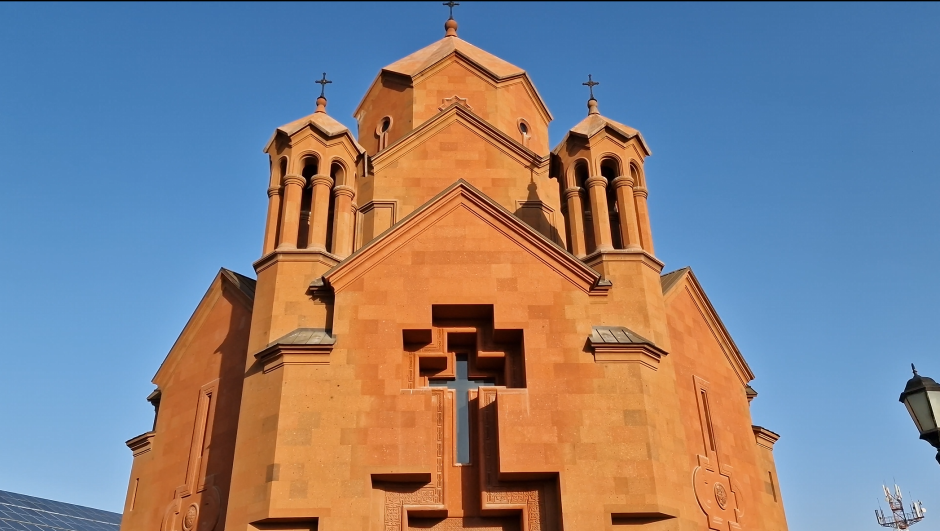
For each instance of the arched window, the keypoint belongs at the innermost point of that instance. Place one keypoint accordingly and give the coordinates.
(338, 173)
(580, 173)
(310, 168)
(282, 170)
(610, 169)
(635, 173)
(381, 131)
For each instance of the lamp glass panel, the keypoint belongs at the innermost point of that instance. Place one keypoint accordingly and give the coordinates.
(934, 398)
(919, 408)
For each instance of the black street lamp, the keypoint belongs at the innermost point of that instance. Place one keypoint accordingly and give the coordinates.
(921, 396)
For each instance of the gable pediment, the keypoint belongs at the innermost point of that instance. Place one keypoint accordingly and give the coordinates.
(243, 291)
(460, 114)
(684, 281)
(463, 196)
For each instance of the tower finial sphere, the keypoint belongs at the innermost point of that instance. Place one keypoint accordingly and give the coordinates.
(592, 106)
(321, 104)
(450, 28)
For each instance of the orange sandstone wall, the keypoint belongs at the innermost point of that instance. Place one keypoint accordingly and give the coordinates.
(696, 352)
(211, 349)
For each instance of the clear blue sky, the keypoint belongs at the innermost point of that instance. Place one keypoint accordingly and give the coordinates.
(795, 168)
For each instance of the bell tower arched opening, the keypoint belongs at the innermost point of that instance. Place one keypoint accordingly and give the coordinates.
(310, 165)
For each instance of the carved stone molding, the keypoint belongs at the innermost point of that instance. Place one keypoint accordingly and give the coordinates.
(303, 346)
(765, 437)
(618, 344)
(141, 444)
(446, 102)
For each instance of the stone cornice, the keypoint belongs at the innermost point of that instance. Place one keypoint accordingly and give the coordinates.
(295, 255)
(765, 437)
(277, 355)
(647, 355)
(141, 444)
(624, 255)
(617, 344)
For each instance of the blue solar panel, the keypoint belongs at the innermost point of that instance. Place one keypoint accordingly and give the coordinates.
(19, 512)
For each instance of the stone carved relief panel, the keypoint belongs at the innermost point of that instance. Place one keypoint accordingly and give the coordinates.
(197, 504)
(716, 491)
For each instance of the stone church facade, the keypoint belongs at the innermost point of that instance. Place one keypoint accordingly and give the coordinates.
(454, 326)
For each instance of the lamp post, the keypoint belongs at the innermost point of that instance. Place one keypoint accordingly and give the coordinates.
(921, 396)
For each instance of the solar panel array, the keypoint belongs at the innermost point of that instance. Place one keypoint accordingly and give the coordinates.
(19, 512)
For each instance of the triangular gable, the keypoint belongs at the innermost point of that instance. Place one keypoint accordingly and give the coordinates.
(683, 280)
(462, 194)
(456, 112)
(242, 286)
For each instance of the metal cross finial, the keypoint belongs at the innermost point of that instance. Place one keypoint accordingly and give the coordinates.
(322, 83)
(913, 369)
(590, 85)
(451, 5)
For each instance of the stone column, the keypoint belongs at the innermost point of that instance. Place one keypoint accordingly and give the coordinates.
(629, 231)
(319, 212)
(575, 220)
(597, 190)
(342, 220)
(290, 212)
(270, 228)
(643, 216)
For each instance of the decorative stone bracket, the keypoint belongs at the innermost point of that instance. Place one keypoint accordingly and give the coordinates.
(141, 444)
(303, 346)
(762, 435)
(619, 344)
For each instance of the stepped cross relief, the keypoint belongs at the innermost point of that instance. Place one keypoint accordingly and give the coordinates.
(717, 493)
(464, 363)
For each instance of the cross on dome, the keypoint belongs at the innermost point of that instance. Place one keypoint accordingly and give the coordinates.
(592, 103)
(450, 27)
(321, 101)
(451, 5)
(323, 82)
(590, 85)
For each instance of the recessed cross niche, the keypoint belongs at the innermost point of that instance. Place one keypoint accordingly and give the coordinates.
(463, 351)
(462, 385)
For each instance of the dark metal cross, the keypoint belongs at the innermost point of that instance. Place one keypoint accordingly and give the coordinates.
(590, 85)
(322, 83)
(451, 5)
(463, 384)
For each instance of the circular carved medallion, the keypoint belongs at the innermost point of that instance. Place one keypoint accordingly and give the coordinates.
(721, 495)
(189, 520)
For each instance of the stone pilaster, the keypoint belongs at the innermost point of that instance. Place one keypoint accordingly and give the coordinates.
(597, 191)
(575, 220)
(270, 229)
(320, 211)
(643, 216)
(290, 212)
(629, 229)
(343, 220)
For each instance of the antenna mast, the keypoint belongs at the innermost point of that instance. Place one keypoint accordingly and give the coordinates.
(899, 519)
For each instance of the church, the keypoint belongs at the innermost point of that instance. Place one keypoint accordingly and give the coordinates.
(454, 325)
